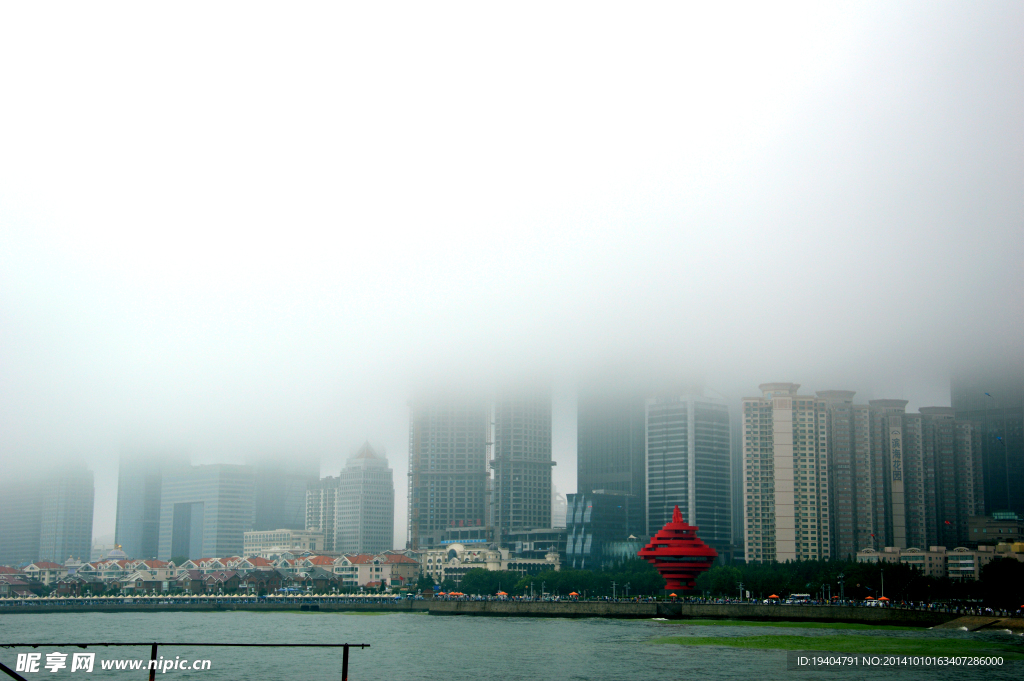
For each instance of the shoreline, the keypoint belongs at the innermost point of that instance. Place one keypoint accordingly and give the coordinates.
(795, 614)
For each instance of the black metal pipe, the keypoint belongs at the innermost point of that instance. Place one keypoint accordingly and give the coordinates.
(152, 663)
(10, 672)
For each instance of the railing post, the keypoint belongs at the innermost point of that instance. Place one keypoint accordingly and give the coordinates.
(152, 667)
(344, 663)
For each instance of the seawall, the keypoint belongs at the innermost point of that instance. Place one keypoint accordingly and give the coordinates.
(404, 606)
(734, 611)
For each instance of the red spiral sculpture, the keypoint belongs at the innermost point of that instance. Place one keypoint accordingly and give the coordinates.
(678, 555)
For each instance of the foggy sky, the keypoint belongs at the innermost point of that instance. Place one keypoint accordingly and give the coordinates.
(255, 230)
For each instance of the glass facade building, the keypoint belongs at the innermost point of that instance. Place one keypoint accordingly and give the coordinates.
(603, 528)
(206, 511)
(689, 464)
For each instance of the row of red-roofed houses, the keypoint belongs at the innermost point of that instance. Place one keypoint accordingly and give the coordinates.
(225, 575)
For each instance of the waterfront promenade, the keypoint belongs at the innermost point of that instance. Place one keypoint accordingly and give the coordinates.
(500, 608)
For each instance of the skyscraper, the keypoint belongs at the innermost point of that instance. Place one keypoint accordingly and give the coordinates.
(65, 519)
(948, 452)
(993, 399)
(21, 507)
(522, 462)
(206, 510)
(280, 488)
(321, 500)
(852, 517)
(610, 448)
(139, 486)
(448, 476)
(365, 506)
(785, 461)
(688, 449)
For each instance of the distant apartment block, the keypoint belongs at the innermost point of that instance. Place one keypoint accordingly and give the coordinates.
(993, 400)
(785, 461)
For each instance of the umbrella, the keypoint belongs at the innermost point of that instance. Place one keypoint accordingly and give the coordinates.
(673, 596)
(773, 596)
(502, 593)
(573, 593)
(441, 593)
(884, 598)
(870, 598)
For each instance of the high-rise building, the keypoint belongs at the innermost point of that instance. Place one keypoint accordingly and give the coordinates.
(281, 492)
(785, 462)
(898, 467)
(994, 401)
(610, 449)
(206, 511)
(448, 476)
(522, 462)
(65, 519)
(688, 460)
(21, 506)
(321, 500)
(852, 518)
(948, 454)
(365, 506)
(139, 486)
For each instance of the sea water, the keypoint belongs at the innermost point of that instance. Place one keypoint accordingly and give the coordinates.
(450, 648)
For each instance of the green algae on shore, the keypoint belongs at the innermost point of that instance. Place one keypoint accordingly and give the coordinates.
(796, 625)
(857, 645)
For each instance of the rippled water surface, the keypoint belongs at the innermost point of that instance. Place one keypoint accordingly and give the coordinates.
(420, 646)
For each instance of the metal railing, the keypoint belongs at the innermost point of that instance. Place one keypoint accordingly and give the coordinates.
(155, 645)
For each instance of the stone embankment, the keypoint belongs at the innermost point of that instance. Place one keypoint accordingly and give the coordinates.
(676, 611)
(42, 607)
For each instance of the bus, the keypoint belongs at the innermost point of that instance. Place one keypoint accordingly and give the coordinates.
(799, 598)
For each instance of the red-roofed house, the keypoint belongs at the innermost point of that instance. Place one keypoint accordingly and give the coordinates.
(45, 572)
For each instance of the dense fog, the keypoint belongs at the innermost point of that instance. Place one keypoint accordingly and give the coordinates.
(249, 233)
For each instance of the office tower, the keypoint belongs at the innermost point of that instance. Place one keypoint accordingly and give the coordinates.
(281, 492)
(603, 527)
(688, 465)
(21, 505)
(852, 517)
(139, 485)
(785, 462)
(447, 468)
(610, 449)
(206, 510)
(321, 499)
(65, 519)
(522, 462)
(365, 506)
(993, 399)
